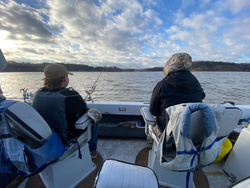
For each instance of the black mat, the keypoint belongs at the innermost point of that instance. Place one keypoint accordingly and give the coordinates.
(200, 179)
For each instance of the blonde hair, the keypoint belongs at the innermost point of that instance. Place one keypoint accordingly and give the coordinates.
(51, 84)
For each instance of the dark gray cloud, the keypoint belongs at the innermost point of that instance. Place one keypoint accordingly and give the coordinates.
(23, 24)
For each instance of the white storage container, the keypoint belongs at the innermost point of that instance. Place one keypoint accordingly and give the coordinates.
(237, 163)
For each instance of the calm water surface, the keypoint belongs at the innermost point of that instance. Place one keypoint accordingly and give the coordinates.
(134, 86)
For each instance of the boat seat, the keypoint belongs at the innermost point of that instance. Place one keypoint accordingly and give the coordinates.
(228, 122)
(114, 174)
(27, 139)
(30, 128)
(75, 164)
(27, 125)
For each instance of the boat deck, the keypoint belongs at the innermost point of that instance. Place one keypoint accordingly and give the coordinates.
(126, 149)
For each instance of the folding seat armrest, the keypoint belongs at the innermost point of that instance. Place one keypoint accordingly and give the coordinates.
(148, 118)
(83, 122)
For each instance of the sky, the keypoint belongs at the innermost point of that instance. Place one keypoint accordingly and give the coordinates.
(124, 33)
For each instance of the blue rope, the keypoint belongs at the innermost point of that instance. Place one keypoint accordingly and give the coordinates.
(187, 152)
(195, 153)
(209, 146)
(187, 179)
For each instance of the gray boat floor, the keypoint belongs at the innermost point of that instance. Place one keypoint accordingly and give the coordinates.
(126, 149)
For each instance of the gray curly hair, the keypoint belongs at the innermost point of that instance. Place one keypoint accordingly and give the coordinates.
(178, 61)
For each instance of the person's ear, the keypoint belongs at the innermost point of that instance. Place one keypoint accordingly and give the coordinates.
(65, 78)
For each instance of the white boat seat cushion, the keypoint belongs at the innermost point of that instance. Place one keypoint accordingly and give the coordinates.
(114, 174)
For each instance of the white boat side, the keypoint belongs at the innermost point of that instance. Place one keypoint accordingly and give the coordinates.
(133, 108)
(122, 108)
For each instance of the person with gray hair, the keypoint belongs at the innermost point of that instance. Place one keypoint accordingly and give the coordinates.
(178, 86)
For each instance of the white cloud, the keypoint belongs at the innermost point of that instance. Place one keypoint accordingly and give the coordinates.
(186, 3)
(178, 16)
(149, 2)
(115, 31)
(204, 3)
(195, 21)
(237, 5)
(123, 33)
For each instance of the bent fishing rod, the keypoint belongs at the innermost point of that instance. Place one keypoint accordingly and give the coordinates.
(93, 87)
(3, 62)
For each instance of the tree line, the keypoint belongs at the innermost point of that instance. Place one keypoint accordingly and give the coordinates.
(13, 66)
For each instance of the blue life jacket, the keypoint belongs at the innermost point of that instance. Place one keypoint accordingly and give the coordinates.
(28, 160)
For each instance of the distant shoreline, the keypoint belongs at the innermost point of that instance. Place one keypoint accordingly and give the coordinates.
(133, 71)
(214, 66)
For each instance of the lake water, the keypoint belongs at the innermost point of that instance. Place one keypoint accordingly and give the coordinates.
(134, 86)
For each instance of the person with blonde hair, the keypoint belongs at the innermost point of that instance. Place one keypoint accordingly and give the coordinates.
(178, 86)
(61, 106)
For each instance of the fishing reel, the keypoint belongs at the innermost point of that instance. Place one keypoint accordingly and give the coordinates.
(88, 97)
(26, 95)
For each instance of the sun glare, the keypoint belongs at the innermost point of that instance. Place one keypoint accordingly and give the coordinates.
(3, 34)
(6, 44)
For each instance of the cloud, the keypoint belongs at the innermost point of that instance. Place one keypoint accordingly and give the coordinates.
(123, 33)
(23, 23)
(204, 3)
(186, 3)
(105, 30)
(210, 36)
(100, 31)
(236, 5)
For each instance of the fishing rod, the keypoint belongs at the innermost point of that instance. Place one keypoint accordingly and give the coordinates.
(88, 97)
(3, 62)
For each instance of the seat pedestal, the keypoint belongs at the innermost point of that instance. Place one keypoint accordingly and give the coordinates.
(70, 171)
(165, 177)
